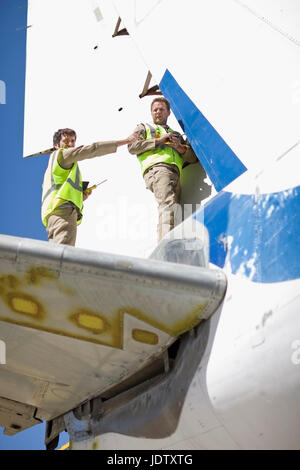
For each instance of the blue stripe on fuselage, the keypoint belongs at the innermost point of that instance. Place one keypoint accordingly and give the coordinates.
(259, 236)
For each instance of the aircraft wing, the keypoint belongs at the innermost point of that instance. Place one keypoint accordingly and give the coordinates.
(75, 323)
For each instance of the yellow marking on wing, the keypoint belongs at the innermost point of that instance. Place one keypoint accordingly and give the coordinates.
(8, 282)
(144, 336)
(95, 445)
(90, 321)
(109, 329)
(25, 304)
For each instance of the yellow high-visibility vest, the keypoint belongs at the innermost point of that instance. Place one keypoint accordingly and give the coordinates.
(61, 185)
(160, 154)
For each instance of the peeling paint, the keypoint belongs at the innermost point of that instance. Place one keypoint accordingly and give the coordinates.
(95, 445)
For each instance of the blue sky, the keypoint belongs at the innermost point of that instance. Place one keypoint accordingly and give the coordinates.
(21, 184)
(30, 439)
(21, 179)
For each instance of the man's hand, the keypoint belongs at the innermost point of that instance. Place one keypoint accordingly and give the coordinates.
(164, 139)
(177, 145)
(132, 137)
(173, 141)
(86, 194)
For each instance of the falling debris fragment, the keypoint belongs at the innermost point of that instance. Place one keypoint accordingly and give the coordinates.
(42, 152)
(118, 31)
(96, 47)
(120, 109)
(147, 91)
(98, 14)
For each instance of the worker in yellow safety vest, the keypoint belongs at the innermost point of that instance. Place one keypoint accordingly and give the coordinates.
(161, 153)
(63, 194)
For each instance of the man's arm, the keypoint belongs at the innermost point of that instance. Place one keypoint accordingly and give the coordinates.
(75, 154)
(141, 144)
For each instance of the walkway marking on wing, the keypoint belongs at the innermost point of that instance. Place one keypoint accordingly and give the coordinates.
(38, 298)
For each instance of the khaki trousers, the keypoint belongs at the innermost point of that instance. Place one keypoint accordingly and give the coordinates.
(164, 181)
(62, 226)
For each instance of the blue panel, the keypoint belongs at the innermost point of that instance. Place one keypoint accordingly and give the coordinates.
(219, 161)
(258, 236)
(20, 179)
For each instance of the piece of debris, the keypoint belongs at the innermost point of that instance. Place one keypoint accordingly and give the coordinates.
(98, 14)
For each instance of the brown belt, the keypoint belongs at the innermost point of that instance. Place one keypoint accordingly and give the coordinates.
(170, 166)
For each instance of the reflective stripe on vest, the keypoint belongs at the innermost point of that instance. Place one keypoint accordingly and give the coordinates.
(161, 153)
(61, 185)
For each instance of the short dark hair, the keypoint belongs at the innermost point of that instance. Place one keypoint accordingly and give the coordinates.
(57, 135)
(161, 99)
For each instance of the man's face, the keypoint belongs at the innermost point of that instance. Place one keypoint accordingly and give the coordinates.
(160, 113)
(67, 141)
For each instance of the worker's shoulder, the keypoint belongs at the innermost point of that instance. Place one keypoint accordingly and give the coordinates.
(140, 129)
